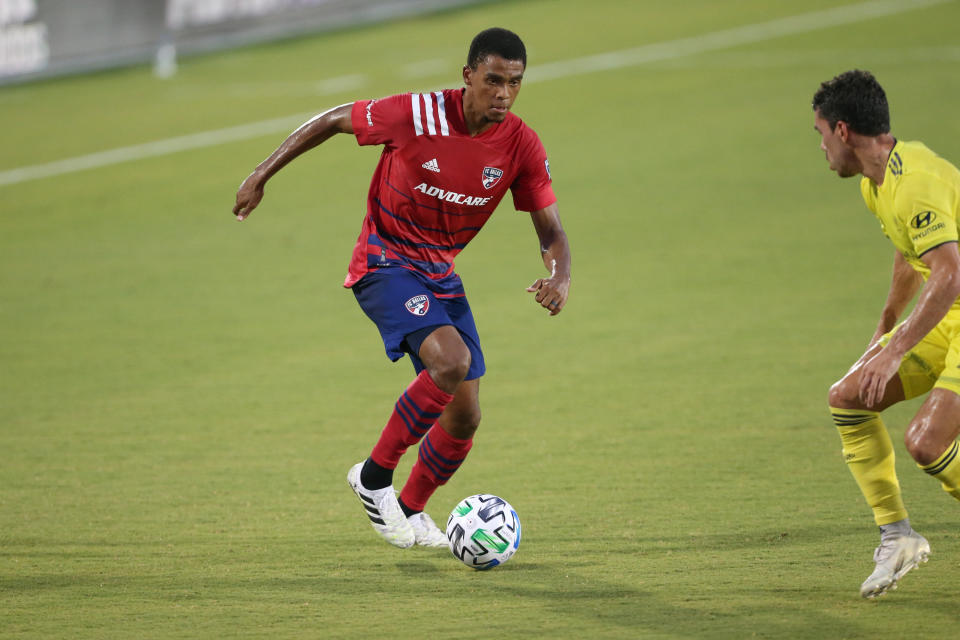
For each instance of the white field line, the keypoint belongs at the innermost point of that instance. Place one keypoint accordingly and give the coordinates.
(152, 149)
(748, 34)
(342, 83)
(723, 39)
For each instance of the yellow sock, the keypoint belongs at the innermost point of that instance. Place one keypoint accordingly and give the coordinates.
(946, 469)
(868, 452)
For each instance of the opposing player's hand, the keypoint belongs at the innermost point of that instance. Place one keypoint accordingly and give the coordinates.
(876, 374)
(551, 292)
(249, 196)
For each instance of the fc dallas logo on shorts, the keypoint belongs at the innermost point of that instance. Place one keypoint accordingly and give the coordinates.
(491, 176)
(418, 305)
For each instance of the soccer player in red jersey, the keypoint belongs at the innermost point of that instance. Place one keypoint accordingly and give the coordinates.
(448, 159)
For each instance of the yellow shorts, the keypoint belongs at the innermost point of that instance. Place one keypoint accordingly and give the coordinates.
(934, 361)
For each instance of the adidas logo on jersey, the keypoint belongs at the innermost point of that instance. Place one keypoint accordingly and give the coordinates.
(431, 165)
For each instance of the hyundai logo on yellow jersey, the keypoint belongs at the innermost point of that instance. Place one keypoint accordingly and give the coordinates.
(923, 219)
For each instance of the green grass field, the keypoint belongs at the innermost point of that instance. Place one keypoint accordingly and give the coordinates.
(181, 394)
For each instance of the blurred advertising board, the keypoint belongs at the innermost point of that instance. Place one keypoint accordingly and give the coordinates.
(41, 38)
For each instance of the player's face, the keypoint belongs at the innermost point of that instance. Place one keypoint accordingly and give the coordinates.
(493, 86)
(840, 156)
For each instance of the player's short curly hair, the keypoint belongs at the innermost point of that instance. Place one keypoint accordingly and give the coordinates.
(497, 42)
(856, 98)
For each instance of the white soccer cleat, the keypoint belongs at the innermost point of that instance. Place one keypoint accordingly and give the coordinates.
(894, 558)
(384, 511)
(427, 533)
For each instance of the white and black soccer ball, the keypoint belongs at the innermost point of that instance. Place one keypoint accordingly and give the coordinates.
(483, 531)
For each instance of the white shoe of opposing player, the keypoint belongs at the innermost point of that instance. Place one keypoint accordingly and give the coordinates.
(894, 558)
(427, 533)
(384, 511)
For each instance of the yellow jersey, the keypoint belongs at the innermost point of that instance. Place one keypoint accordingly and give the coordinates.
(918, 204)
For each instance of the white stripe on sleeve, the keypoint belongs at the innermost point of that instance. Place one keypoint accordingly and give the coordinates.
(444, 128)
(428, 108)
(416, 113)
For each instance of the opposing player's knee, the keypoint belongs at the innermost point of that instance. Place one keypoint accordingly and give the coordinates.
(843, 395)
(922, 446)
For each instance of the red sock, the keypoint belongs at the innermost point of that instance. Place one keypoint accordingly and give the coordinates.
(413, 415)
(440, 456)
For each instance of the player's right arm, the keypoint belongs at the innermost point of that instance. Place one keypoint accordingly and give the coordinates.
(307, 136)
(939, 294)
(904, 284)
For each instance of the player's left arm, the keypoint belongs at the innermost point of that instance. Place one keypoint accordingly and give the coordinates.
(937, 296)
(552, 292)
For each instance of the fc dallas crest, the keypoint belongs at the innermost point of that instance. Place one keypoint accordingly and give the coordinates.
(418, 305)
(491, 176)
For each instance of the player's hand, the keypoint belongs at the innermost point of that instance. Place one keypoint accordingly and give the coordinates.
(876, 374)
(249, 196)
(551, 292)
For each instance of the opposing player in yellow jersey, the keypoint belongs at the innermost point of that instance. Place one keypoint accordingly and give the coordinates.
(915, 195)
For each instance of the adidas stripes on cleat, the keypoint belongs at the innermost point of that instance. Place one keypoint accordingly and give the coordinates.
(383, 510)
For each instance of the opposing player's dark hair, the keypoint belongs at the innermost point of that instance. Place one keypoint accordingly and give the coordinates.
(497, 42)
(856, 98)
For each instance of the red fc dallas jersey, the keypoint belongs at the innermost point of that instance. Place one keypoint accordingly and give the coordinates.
(435, 186)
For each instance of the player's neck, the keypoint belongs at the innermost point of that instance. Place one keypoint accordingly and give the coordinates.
(474, 118)
(875, 155)
(476, 122)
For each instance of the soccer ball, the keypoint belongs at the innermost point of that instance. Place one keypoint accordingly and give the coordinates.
(483, 531)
